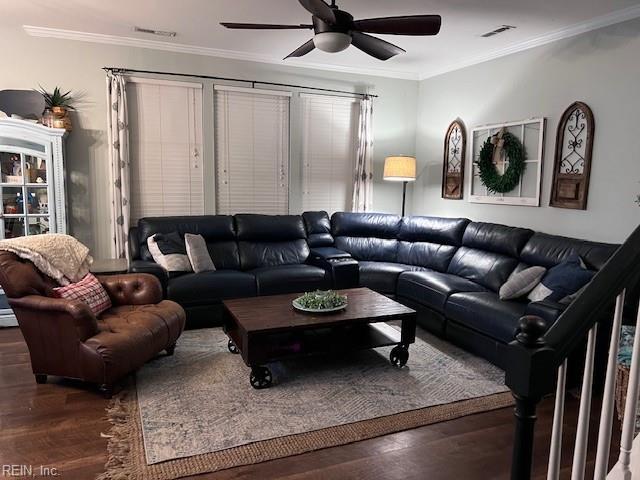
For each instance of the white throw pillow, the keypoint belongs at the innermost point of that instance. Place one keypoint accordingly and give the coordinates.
(198, 253)
(521, 283)
(168, 251)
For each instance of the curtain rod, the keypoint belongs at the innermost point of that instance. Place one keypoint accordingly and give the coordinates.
(252, 82)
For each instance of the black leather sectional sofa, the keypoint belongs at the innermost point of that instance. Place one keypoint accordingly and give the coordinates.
(448, 269)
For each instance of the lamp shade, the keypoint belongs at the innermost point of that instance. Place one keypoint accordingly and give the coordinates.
(400, 168)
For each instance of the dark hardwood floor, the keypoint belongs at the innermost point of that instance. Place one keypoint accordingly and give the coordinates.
(59, 425)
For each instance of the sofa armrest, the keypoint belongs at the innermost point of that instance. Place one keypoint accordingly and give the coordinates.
(343, 270)
(142, 266)
(69, 318)
(132, 288)
(328, 253)
(133, 243)
(548, 310)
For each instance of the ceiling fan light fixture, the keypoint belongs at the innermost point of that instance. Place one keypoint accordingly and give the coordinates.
(332, 42)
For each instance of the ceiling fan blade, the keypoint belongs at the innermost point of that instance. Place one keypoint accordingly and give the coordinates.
(407, 25)
(263, 26)
(302, 49)
(320, 9)
(374, 46)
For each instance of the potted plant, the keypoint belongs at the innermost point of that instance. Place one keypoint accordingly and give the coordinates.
(58, 104)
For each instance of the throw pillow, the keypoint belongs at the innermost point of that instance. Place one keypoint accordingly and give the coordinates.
(169, 251)
(521, 283)
(198, 253)
(88, 290)
(563, 280)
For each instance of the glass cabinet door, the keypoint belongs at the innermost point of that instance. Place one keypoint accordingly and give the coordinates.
(25, 195)
(25, 192)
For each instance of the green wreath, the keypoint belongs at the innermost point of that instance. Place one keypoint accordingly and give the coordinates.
(489, 175)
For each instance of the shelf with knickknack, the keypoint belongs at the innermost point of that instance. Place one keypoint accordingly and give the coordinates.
(32, 184)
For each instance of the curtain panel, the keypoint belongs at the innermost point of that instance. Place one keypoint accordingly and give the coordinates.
(363, 178)
(118, 146)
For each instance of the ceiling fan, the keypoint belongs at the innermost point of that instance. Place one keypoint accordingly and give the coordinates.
(335, 29)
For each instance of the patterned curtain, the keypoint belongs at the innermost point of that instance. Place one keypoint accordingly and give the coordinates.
(363, 178)
(118, 144)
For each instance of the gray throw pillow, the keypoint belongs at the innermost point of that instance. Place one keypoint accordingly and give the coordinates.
(198, 253)
(521, 283)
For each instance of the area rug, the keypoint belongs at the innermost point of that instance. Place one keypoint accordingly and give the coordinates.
(195, 412)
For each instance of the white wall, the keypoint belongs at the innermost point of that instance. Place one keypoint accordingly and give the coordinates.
(601, 68)
(29, 61)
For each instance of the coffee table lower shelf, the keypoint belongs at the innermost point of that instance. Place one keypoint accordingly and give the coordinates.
(258, 349)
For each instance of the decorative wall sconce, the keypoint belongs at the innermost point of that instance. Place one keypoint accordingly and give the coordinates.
(572, 165)
(455, 144)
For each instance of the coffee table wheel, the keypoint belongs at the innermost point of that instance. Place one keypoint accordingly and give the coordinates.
(399, 356)
(232, 347)
(260, 377)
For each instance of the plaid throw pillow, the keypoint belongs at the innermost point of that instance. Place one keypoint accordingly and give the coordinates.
(88, 290)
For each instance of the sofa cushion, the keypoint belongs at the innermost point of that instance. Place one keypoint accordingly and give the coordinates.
(211, 287)
(383, 276)
(549, 250)
(367, 236)
(270, 228)
(439, 230)
(271, 240)
(484, 267)
(369, 248)
(318, 227)
(218, 232)
(290, 278)
(353, 224)
(429, 255)
(432, 289)
(496, 238)
(484, 312)
(272, 254)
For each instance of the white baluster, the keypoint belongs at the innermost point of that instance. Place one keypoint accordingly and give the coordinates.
(558, 416)
(630, 407)
(582, 433)
(606, 416)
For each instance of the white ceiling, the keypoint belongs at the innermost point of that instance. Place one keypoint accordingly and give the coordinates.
(197, 25)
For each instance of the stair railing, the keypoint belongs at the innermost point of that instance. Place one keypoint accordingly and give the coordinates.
(537, 353)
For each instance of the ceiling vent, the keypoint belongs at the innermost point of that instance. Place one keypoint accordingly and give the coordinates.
(500, 29)
(160, 33)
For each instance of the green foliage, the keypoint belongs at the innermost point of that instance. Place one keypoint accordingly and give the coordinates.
(322, 300)
(489, 174)
(57, 98)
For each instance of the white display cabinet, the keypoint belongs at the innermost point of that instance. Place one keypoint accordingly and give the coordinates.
(32, 185)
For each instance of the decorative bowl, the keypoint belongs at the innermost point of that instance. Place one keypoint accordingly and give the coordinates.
(320, 302)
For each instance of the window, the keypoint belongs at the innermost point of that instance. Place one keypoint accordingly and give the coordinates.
(165, 136)
(329, 126)
(252, 150)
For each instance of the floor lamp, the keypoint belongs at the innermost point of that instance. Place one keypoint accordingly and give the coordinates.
(400, 168)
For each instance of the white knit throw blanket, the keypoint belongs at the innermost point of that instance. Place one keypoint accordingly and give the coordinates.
(59, 256)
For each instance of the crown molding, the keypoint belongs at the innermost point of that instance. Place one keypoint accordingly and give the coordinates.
(47, 32)
(571, 31)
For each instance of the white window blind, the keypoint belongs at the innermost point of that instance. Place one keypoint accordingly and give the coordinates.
(165, 136)
(329, 129)
(252, 151)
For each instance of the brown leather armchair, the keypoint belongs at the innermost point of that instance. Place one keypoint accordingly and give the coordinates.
(65, 338)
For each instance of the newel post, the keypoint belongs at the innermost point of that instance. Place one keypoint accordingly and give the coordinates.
(523, 378)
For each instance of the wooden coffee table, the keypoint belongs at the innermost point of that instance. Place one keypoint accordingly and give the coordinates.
(268, 329)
